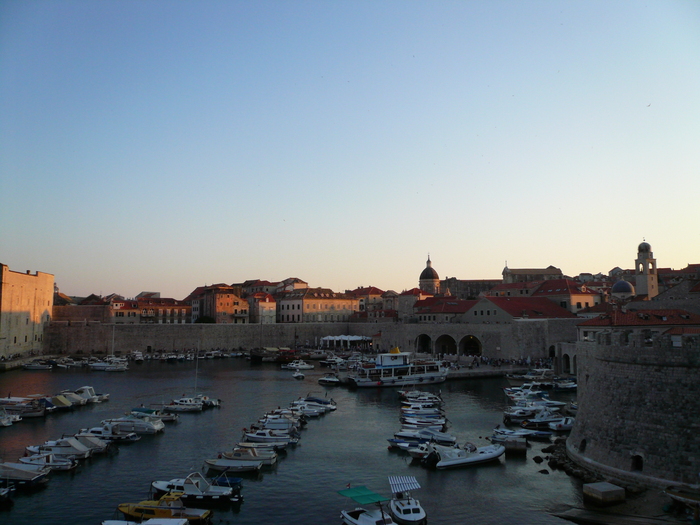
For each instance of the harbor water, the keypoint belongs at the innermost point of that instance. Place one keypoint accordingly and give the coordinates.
(345, 447)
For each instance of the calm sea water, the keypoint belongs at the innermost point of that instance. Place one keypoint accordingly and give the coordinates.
(345, 446)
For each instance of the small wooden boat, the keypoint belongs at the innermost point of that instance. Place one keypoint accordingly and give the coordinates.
(169, 506)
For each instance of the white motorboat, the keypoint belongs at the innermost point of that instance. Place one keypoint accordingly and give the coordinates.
(74, 398)
(309, 410)
(330, 379)
(140, 425)
(37, 364)
(280, 423)
(111, 432)
(426, 434)
(420, 395)
(268, 436)
(51, 461)
(541, 420)
(298, 374)
(207, 402)
(329, 404)
(155, 413)
(183, 407)
(298, 364)
(189, 402)
(23, 475)
(362, 516)
(64, 447)
(7, 419)
(565, 424)
(88, 393)
(504, 434)
(420, 422)
(270, 445)
(231, 465)
(442, 457)
(419, 451)
(267, 456)
(94, 443)
(196, 489)
(405, 509)
(333, 361)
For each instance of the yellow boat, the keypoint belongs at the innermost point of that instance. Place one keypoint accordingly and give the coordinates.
(169, 506)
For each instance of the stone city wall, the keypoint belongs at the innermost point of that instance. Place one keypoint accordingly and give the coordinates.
(507, 340)
(638, 405)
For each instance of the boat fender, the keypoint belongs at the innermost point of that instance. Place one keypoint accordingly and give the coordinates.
(379, 382)
(420, 379)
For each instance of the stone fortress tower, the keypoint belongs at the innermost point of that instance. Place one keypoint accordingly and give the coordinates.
(639, 402)
(639, 397)
(429, 281)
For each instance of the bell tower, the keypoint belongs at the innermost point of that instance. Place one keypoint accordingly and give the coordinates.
(647, 281)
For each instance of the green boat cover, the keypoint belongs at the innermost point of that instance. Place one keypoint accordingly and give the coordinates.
(362, 495)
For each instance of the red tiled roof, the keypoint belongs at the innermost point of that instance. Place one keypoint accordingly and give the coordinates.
(530, 307)
(560, 287)
(644, 318)
(368, 290)
(415, 291)
(443, 305)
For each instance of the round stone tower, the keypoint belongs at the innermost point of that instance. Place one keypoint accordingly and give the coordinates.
(638, 403)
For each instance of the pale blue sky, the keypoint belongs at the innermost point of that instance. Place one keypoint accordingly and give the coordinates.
(165, 145)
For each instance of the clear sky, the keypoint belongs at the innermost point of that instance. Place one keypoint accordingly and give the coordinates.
(164, 145)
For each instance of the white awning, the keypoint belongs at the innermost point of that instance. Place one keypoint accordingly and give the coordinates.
(403, 483)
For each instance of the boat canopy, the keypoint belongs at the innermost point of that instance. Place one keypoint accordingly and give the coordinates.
(403, 483)
(362, 495)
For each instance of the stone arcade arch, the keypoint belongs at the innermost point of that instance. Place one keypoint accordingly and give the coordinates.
(470, 345)
(566, 364)
(424, 344)
(445, 345)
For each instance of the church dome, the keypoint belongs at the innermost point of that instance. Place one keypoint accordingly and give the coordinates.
(429, 274)
(645, 247)
(622, 286)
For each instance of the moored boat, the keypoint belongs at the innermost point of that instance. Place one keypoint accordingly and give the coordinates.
(395, 369)
(442, 457)
(405, 509)
(362, 516)
(196, 489)
(168, 506)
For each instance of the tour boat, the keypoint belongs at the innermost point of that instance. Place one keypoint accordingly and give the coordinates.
(396, 369)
